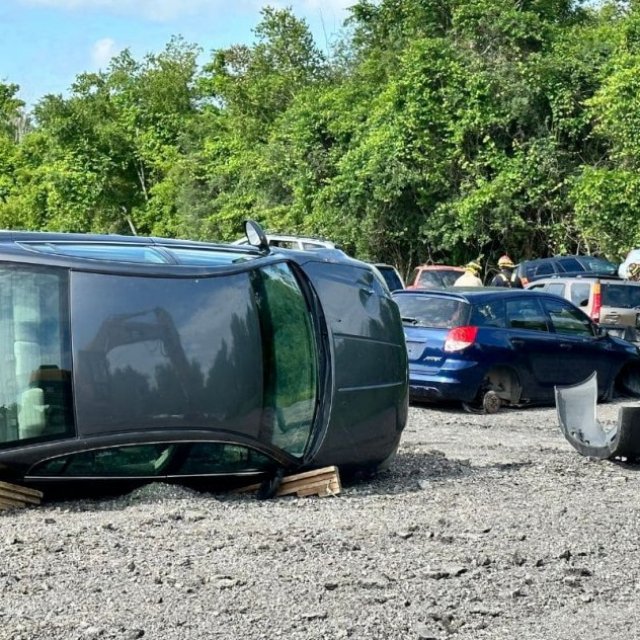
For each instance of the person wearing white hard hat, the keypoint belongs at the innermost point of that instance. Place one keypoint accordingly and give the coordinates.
(505, 277)
(470, 276)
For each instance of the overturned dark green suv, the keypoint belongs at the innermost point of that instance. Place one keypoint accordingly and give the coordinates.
(142, 358)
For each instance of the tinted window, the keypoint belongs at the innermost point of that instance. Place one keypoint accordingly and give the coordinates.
(391, 278)
(523, 313)
(428, 311)
(149, 460)
(215, 457)
(570, 264)
(599, 265)
(566, 319)
(580, 293)
(621, 295)
(489, 314)
(206, 257)
(101, 251)
(544, 268)
(35, 376)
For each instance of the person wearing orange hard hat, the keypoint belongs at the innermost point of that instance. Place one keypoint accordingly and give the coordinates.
(505, 277)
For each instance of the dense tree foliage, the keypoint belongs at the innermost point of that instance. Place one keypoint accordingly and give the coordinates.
(432, 131)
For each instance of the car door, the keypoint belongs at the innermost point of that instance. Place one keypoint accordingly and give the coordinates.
(533, 345)
(580, 351)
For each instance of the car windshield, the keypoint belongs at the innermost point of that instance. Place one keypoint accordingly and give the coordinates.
(438, 278)
(621, 295)
(437, 312)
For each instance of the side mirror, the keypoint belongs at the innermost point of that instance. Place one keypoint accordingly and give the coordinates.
(256, 235)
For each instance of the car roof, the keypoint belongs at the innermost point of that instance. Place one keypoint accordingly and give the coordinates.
(590, 278)
(438, 267)
(474, 295)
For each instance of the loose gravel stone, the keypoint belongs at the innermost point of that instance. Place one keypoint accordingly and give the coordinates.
(486, 527)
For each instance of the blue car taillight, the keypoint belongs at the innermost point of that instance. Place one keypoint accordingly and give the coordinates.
(460, 338)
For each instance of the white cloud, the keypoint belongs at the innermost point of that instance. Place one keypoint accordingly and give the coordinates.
(102, 52)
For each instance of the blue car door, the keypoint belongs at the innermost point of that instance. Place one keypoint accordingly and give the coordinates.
(534, 347)
(581, 351)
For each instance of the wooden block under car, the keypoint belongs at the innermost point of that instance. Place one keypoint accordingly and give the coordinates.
(318, 482)
(13, 496)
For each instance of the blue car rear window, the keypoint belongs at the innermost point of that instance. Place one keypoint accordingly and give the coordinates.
(437, 312)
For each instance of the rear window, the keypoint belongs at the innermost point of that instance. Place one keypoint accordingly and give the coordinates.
(438, 279)
(620, 295)
(427, 311)
(599, 265)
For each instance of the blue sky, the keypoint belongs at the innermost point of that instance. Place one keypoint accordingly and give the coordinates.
(44, 44)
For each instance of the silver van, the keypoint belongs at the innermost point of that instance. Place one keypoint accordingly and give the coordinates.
(613, 303)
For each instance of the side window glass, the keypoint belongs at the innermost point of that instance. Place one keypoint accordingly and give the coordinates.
(155, 460)
(570, 264)
(490, 314)
(523, 313)
(567, 320)
(545, 268)
(580, 294)
(556, 288)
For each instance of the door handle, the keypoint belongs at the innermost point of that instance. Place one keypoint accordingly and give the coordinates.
(565, 346)
(517, 342)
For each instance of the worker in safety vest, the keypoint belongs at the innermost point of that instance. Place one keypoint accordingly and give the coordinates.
(505, 277)
(470, 276)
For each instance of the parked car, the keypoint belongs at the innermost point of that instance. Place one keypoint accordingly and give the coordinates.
(298, 243)
(491, 347)
(529, 270)
(142, 358)
(434, 276)
(390, 275)
(613, 303)
(632, 256)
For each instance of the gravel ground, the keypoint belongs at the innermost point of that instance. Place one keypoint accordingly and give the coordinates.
(486, 527)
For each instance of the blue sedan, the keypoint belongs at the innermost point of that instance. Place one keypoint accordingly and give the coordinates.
(490, 347)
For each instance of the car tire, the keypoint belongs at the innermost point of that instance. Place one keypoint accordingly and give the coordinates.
(628, 381)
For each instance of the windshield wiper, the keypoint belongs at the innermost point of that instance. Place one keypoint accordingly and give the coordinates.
(410, 320)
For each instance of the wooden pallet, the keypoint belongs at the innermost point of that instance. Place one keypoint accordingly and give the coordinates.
(319, 482)
(13, 496)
